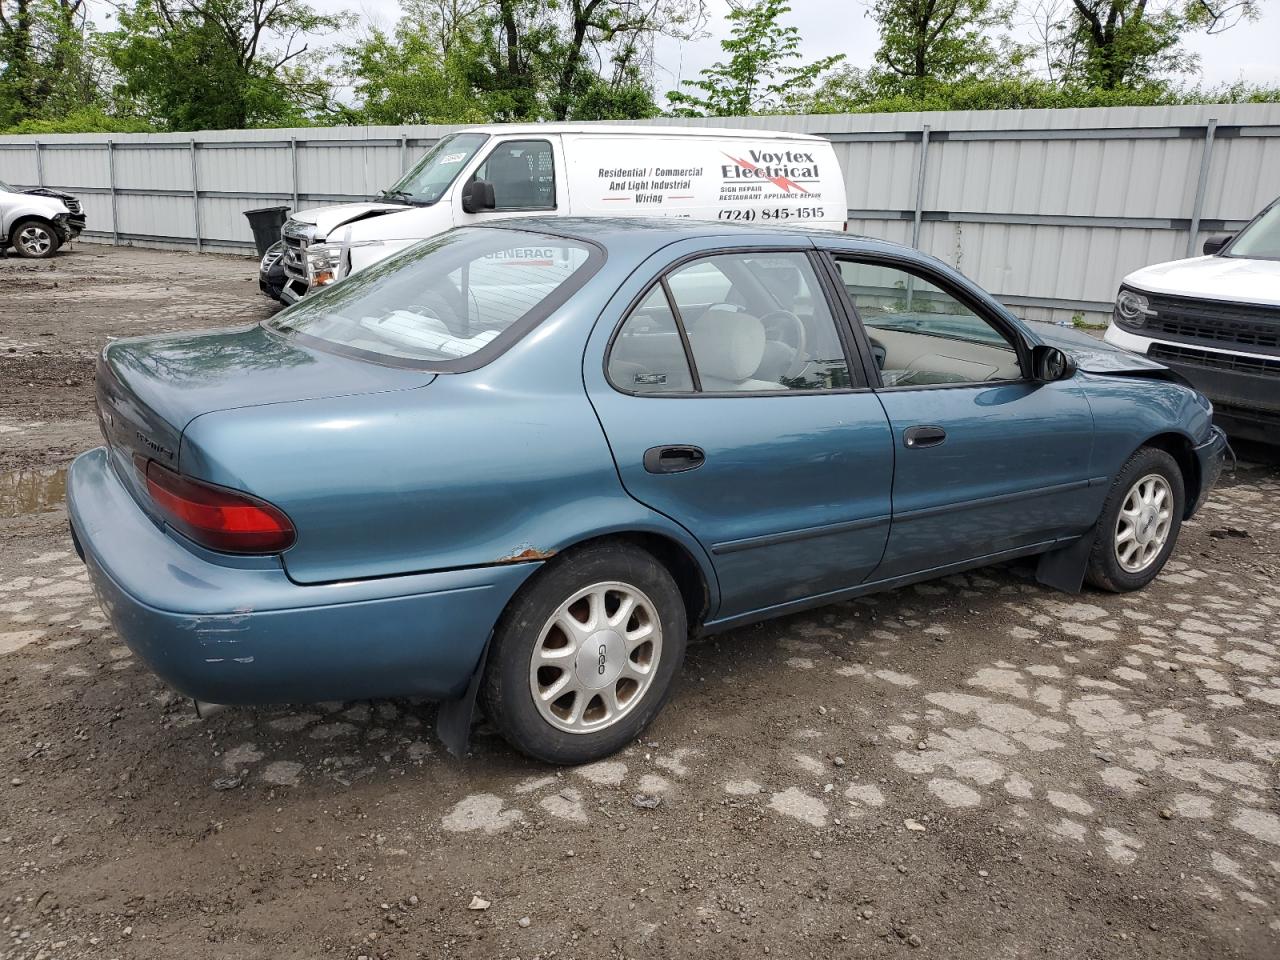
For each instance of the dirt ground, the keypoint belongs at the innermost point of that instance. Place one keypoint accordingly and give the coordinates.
(973, 768)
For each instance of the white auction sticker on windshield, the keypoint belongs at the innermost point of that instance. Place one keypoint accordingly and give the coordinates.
(453, 158)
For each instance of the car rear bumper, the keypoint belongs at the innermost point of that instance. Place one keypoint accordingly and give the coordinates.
(246, 634)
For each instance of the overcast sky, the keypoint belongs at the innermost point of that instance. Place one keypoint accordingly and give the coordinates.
(1249, 52)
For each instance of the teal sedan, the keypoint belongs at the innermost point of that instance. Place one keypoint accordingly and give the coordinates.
(520, 464)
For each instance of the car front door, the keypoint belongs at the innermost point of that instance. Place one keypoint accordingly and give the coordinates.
(988, 461)
(734, 406)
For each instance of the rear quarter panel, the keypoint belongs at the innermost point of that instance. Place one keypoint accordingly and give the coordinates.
(504, 464)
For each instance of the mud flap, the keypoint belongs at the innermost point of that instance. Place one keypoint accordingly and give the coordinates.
(1064, 568)
(453, 717)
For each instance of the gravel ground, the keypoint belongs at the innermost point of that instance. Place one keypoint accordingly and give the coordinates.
(976, 767)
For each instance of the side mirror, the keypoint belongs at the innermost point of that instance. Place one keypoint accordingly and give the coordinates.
(1214, 244)
(1049, 364)
(478, 195)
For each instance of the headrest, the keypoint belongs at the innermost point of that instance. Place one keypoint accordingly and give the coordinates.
(728, 344)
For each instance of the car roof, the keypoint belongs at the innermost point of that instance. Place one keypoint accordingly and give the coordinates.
(636, 130)
(652, 233)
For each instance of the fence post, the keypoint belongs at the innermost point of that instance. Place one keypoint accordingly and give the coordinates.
(404, 153)
(111, 183)
(924, 159)
(39, 164)
(1206, 156)
(195, 197)
(293, 160)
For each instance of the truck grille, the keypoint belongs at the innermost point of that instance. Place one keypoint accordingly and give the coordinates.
(73, 205)
(1247, 326)
(1255, 366)
(294, 259)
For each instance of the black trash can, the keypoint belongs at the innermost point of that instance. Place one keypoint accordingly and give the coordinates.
(266, 223)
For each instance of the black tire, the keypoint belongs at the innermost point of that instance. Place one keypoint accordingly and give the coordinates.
(1105, 570)
(44, 242)
(506, 690)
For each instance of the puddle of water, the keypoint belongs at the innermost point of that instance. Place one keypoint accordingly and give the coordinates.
(31, 491)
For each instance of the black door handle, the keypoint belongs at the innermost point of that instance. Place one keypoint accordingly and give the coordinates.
(676, 459)
(915, 438)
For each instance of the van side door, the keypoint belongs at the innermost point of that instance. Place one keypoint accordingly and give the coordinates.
(527, 176)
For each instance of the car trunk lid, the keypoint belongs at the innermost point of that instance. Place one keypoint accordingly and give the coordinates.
(150, 389)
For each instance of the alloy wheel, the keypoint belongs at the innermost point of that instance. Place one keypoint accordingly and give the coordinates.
(1142, 529)
(35, 240)
(596, 657)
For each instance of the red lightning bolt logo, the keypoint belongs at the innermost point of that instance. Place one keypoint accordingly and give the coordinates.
(786, 184)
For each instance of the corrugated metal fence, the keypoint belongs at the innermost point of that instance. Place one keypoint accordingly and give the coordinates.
(1046, 208)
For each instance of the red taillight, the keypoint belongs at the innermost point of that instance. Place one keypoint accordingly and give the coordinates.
(217, 517)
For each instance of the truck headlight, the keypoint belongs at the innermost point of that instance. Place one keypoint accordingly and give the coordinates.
(1132, 307)
(323, 260)
(327, 262)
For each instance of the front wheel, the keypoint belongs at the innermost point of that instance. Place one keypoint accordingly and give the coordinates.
(586, 654)
(35, 239)
(1139, 524)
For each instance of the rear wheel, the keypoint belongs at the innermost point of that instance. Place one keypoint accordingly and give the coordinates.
(585, 655)
(1140, 522)
(34, 239)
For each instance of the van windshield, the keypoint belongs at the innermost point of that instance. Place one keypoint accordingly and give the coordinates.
(1261, 239)
(427, 182)
(451, 302)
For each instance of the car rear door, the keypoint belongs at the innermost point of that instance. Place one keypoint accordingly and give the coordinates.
(988, 461)
(771, 452)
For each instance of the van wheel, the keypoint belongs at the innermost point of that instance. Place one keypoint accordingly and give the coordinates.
(585, 655)
(34, 239)
(1139, 524)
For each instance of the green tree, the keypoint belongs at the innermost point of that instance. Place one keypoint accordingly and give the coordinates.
(1119, 44)
(47, 64)
(515, 60)
(615, 30)
(924, 42)
(220, 64)
(761, 72)
(418, 74)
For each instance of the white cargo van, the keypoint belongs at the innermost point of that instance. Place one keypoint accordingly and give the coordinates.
(565, 169)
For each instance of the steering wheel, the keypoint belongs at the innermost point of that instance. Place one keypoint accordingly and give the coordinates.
(785, 327)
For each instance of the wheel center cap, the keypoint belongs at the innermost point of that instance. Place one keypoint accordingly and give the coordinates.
(1146, 525)
(600, 659)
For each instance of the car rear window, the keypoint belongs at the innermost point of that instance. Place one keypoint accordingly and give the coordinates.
(449, 303)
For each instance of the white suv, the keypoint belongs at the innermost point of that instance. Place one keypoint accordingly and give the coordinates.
(37, 224)
(1216, 320)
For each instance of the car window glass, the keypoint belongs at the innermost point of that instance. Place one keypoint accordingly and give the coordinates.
(523, 175)
(429, 179)
(1261, 238)
(701, 282)
(442, 299)
(759, 321)
(648, 355)
(506, 283)
(921, 334)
